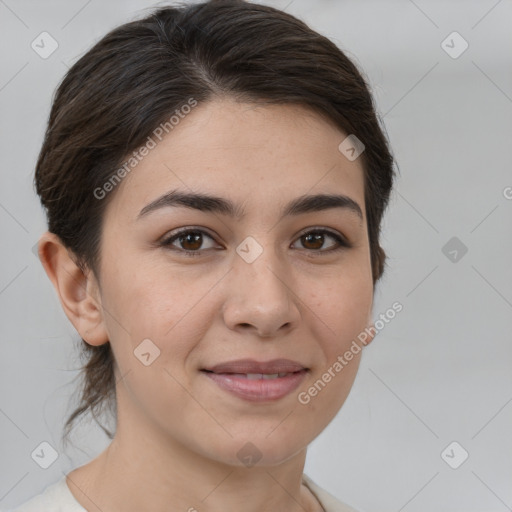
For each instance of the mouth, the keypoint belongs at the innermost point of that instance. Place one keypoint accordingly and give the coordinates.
(255, 376)
(257, 381)
(252, 367)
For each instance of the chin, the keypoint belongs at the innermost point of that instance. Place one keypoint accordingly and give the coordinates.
(251, 450)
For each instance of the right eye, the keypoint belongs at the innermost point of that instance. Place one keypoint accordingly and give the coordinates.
(189, 240)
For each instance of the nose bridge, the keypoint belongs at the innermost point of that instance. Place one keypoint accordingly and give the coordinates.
(260, 295)
(262, 268)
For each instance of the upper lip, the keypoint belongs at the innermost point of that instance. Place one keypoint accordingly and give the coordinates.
(251, 366)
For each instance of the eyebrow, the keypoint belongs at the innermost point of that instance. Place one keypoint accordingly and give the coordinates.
(215, 204)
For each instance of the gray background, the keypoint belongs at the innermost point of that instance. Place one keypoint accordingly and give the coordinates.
(439, 372)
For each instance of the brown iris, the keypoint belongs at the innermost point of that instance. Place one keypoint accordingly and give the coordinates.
(194, 238)
(316, 238)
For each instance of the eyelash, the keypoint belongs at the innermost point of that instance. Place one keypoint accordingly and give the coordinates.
(342, 242)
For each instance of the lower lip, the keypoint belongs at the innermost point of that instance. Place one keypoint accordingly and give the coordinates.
(258, 390)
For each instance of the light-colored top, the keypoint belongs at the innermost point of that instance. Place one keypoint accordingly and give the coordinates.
(57, 497)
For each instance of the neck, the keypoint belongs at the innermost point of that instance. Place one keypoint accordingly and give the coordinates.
(150, 472)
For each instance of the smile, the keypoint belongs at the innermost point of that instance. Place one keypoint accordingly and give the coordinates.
(258, 387)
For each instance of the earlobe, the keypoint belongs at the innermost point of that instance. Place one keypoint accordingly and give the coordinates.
(78, 292)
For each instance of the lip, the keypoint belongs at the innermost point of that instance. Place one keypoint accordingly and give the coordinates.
(232, 377)
(253, 366)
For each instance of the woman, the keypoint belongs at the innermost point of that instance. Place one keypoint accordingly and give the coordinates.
(214, 177)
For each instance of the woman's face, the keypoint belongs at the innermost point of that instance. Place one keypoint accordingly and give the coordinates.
(253, 285)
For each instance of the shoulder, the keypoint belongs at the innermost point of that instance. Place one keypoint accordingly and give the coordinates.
(55, 498)
(58, 498)
(327, 500)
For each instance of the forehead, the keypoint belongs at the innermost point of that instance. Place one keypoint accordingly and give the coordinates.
(261, 153)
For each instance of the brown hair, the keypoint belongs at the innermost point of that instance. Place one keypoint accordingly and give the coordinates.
(138, 74)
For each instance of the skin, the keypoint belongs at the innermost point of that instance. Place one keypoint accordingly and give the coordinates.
(178, 433)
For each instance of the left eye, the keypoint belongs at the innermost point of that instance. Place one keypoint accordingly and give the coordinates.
(191, 241)
(317, 237)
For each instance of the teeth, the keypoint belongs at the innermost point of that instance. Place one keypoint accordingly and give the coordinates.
(265, 376)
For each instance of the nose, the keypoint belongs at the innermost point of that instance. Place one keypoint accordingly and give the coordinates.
(260, 297)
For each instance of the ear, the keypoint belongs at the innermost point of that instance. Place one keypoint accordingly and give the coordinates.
(78, 291)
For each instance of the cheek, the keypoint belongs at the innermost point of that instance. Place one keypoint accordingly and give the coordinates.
(339, 313)
(154, 322)
(342, 310)
(148, 302)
